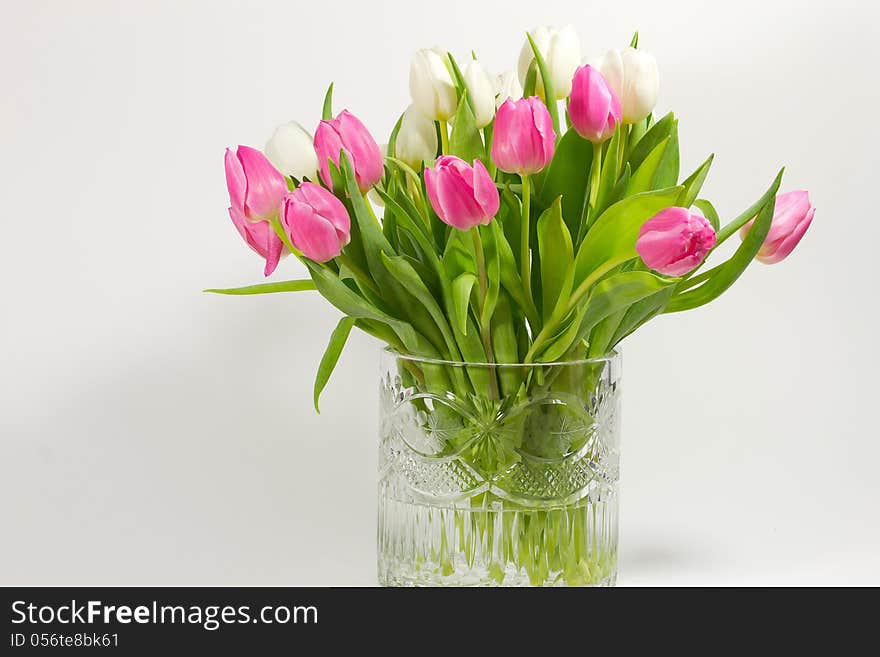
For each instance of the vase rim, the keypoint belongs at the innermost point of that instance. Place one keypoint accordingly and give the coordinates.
(614, 354)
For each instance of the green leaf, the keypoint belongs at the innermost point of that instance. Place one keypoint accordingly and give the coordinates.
(510, 278)
(547, 83)
(409, 220)
(609, 172)
(461, 296)
(409, 278)
(381, 332)
(327, 111)
(465, 141)
(493, 273)
(612, 239)
(642, 179)
(531, 82)
(720, 278)
(569, 176)
(694, 184)
(565, 338)
(749, 213)
(635, 40)
(609, 296)
(640, 312)
(349, 302)
(557, 258)
(504, 345)
(620, 186)
(331, 356)
(668, 168)
(709, 212)
(392, 139)
(657, 133)
(375, 244)
(266, 288)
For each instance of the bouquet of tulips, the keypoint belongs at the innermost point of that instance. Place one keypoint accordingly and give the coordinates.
(537, 218)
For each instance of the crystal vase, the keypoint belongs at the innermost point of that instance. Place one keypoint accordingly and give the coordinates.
(498, 475)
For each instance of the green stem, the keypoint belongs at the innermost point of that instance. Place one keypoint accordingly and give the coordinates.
(595, 175)
(444, 138)
(487, 139)
(525, 233)
(361, 276)
(621, 148)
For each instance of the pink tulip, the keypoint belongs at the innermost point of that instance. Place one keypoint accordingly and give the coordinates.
(594, 108)
(523, 139)
(347, 133)
(316, 222)
(791, 218)
(462, 195)
(674, 241)
(255, 192)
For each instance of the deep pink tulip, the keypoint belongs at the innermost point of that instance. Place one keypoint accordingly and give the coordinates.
(255, 192)
(347, 133)
(674, 241)
(594, 108)
(462, 195)
(791, 218)
(316, 222)
(523, 139)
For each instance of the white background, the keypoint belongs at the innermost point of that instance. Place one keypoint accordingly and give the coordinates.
(151, 434)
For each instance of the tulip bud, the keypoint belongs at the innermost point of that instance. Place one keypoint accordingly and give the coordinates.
(674, 241)
(523, 140)
(291, 150)
(347, 133)
(792, 216)
(255, 192)
(480, 92)
(507, 86)
(416, 139)
(461, 195)
(561, 50)
(594, 109)
(316, 222)
(634, 77)
(431, 86)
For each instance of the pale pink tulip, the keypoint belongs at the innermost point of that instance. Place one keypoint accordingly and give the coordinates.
(674, 241)
(791, 218)
(316, 222)
(462, 195)
(523, 139)
(255, 192)
(346, 133)
(594, 108)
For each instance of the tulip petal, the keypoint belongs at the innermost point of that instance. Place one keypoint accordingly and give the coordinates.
(327, 206)
(265, 185)
(261, 237)
(314, 236)
(485, 191)
(675, 241)
(236, 181)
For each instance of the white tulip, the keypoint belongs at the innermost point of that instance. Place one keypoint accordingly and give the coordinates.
(507, 86)
(481, 93)
(431, 86)
(291, 150)
(416, 139)
(561, 49)
(634, 77)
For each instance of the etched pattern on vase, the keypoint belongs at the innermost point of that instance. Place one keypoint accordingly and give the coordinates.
(467, 486)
